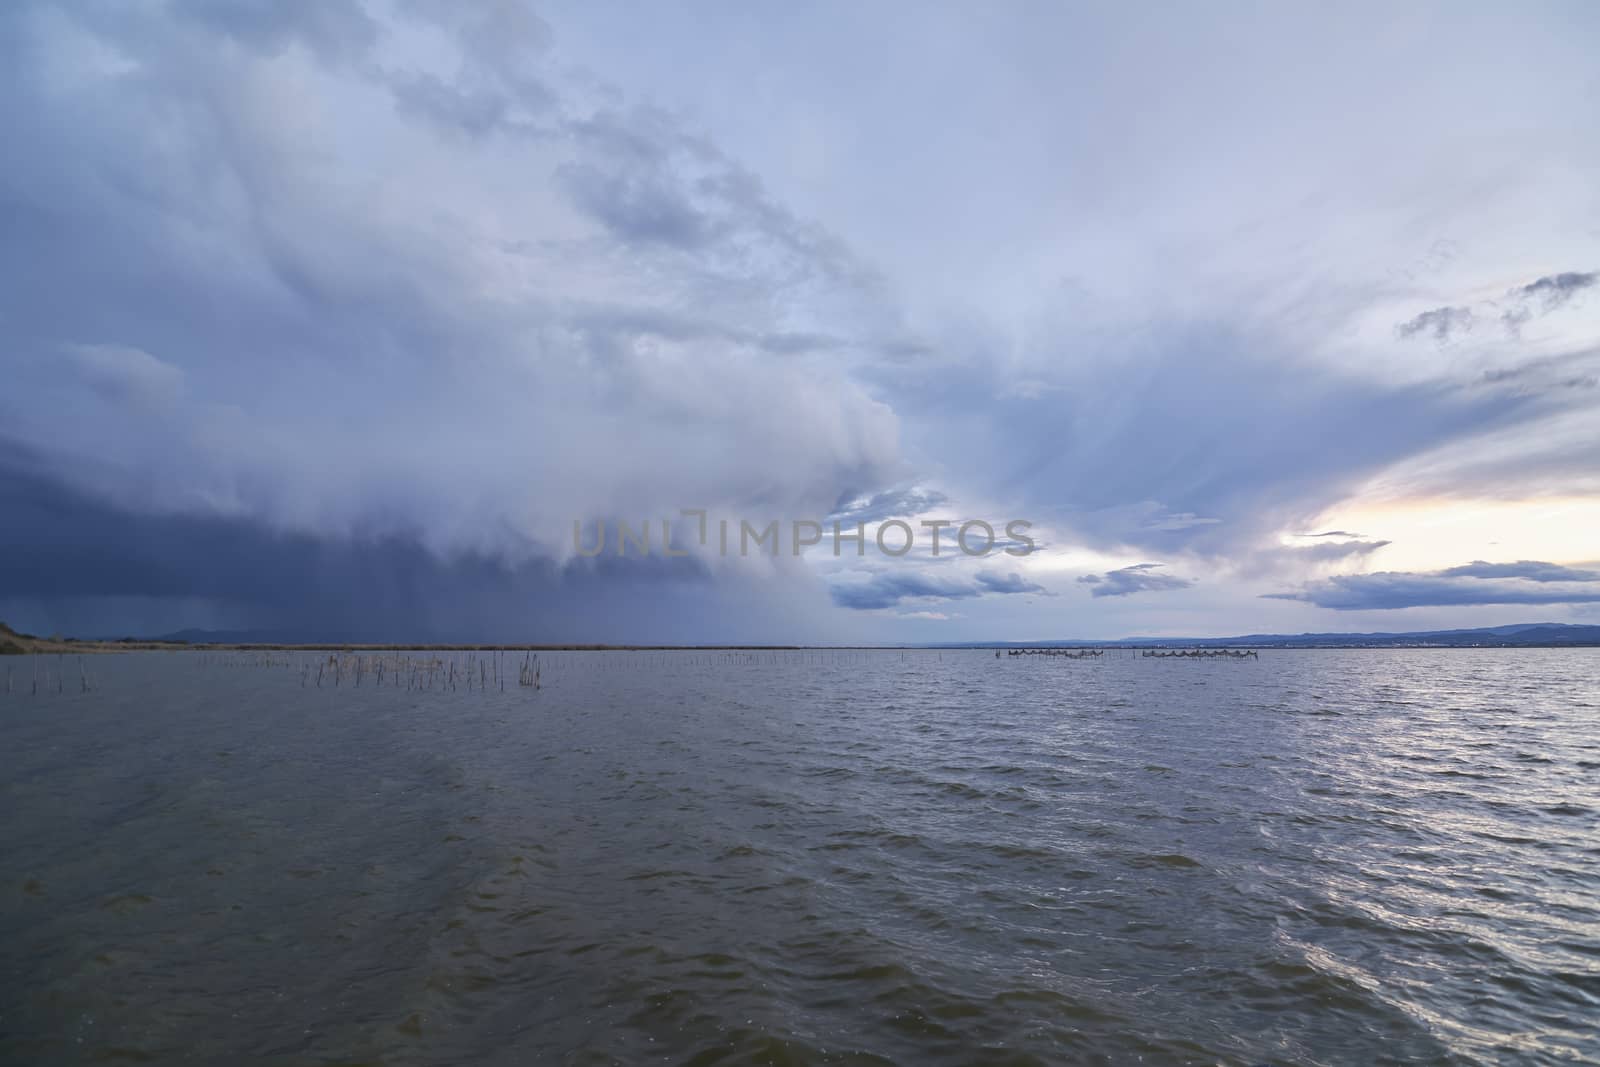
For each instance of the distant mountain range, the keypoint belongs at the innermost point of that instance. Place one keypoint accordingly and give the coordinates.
(1522, 635)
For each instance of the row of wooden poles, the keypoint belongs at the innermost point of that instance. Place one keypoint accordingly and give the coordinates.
(492, 669)
(36, 684)
(1181, 653)
(483, 670)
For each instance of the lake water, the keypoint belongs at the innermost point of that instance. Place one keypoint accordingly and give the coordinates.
(1317, 857)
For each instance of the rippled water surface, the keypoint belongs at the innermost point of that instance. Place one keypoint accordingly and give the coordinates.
(1319, 857)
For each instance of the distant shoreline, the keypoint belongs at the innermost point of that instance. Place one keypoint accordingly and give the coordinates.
(1537, 635)
(40, 646)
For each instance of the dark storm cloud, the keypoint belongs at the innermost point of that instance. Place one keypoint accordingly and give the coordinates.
(60, 548)
(1478, 583)
(218, 304)
(1139, 578)
(888, 588)
(60, 542)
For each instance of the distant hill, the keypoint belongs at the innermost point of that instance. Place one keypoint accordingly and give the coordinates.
(1521, 635)
(11, 641)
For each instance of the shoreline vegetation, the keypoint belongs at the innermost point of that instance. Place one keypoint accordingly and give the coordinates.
(13, 642)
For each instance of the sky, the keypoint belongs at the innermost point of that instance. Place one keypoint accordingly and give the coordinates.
(348, 319)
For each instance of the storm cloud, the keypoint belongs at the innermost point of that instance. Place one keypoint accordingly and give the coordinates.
(331, 354)
(304, 299)
(72, 563)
